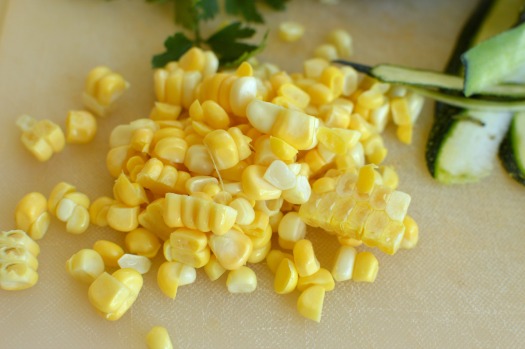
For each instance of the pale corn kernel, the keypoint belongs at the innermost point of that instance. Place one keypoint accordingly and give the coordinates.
(158, 338)
(259, 254)
(211, 63)
(85, 265)
(222, 149)
(263, 115)
(200, 128)
(351, 80)
(109, 251)
(290, 31)
(323, 185)
(123, 218)
(335, 116)
(245, 211)
(358, 123)
(259, 240)
(263, 151)
(342, 40)
(259, 225)
(241, 280)
(269, 207)
(371, 99)
(214, 115)
(397, 205)
(299, 194)
(310, 302)
(214, 269)
(232, 249)
(198, 160)
(404, 133)
(15, 276)
(321, 278)
(275, 220)
(139, 263)
(415, 104)
(400, 111)
(343, 266)
(98, 211)
(31, 215)
(225, 92)
(244, 69)
(291, 227)
(366, 179)
(19, 239)
(304, 128)
(142, 242)
(366, 267)
(112, 295)
(314, 67)
(130, 194)
(81, 127)
(198, 183)
(243, 91)
(304, 258)
(379, 117)
(79, 221)
(193, 59)
(411, 235)
(286, 277)
(280, 176)
(41, 138)
(326, 51)
(223, 197)
(297, 96)
(164, 111)
(103, 87)
(255, 186)
(171, 275)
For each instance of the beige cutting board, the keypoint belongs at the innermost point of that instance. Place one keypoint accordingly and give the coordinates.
(463, 286)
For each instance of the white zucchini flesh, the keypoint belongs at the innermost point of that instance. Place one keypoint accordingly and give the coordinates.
(469, 151)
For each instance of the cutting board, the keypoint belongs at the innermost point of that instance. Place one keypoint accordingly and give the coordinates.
(462, 286)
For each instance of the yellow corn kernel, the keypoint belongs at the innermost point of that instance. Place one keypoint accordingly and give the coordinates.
(109, 251)
(98, 211)
(81, 127)
(142, 242)
(232, 249)
(282, 150)
(343, 267)
(304, 128)
(158, 338)
(130, 194)
(31, 215)
(337, 140)
(164, 111)
(390, 177)
(85, 265)
(291, 228)
(245, 211)
(158, 177)
(280, 175)
(320, 94)
(214, 269)
(243, 91)
(321, 278)
(351, 242)
(255, 186)
(141, 139)
(294, 94)
(214, 115)
(259, 224)
(193, 59)
(400, 111)
(286, 277)
(187, 246)
(279, 78)
(310, 302)
(275, 220)
(173, 87)
(274, 258)
(198, 160)
(366, 267)
(244, 69)
(411, 235)
(151, 219)
(404, 133)
(286, 244)
(342, 40)
(305, 259)
(222, 149)
(42, 138)
(323, 185)
(73, 210)
(326, 51)
(171, 275)
(241, 141)
(123, 218)
(198, 183)
(290, 31)
(241, 280)
(366, 179)
(116, 159)
(102, 88)
(335, 115)
(112, 295)
(333, 78)
(259, 253)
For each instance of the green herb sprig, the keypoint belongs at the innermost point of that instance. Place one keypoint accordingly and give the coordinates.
(228, 42)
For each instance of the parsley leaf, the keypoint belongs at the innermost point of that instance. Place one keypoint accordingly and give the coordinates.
(276, 4)
(246, 8)
(226, 45)
(176, 46)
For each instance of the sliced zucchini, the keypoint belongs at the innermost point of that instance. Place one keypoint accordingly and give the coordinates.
(512, 149)
(429, 79)
(494, 61)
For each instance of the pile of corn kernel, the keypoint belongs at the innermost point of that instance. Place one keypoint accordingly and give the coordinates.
(225, 161)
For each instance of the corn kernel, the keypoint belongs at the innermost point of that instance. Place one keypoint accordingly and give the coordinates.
(109, 251)
(139, 263)
(245, 211)
(404, 133)
(187, 246)
(81, 127)
(232, 249)
(164, 111)
(214, 269)
(305, 259)
(103, 87)
(215, 115)
(400, 111)
(130, 194)
(343, 267)
(411, 235)
(259, 253)
(326, 51)
(304, 128)
(158, 338)
(112, 295)
(243, 91)
(41, 138)
(244, 69)
(366, 179)
(171, 275)
(255, 186)
(310, 303)
(299, 194)
(290, 31)
(241, 280)
(286, 277)
(31, 215)
(198, 160)
(321, 278)
(123, 218)
(98, 211)
(193, 59)
(142, 242)
(85, 265)
(366, 267)
(222, 149)
(342, 40)
(291, 227)
(18, 263)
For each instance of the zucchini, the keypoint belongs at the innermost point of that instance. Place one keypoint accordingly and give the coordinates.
(463, 143)
(512, 149)
(429, 79)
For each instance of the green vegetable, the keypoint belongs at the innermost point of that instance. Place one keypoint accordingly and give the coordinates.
(227, 43)
(512, 149)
